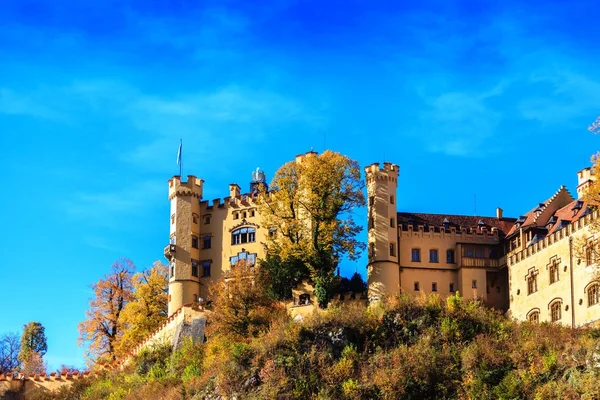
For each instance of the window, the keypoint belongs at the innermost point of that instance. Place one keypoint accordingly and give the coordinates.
(416, 286)
(371, 249)
(172, 218)
(272, 232)
(243, 235)
(553, 272)
(391, 199)
(474, 284)
(434, 286)
(433, 255)
(415, 255)
(589, 253)
(452, 288)
(555, 311)
(534, 317)
(206, 242)
(304, 299)
(206, 268)
(195, 218)
(479, 252)
(593, 294)
(371, 223)
(195, 268)
(172, 241)
(469, 253)
(172, 269)
(244, 215)
(532, 284)
(252, 213)
(392, 249)
(450, 256)
(207, 220)
(371, 201)
(236, 215)
(392, 222)
(195, 242)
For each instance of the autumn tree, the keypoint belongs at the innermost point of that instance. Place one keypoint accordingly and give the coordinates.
(243, 307)
(102, 327)
(310, 210)
(584, 247)
(10, 347)
(147, 309)
(34, 364)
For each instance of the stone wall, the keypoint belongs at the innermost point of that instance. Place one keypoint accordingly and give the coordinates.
(22, 386)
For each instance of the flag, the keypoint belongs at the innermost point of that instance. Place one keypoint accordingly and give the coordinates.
(179, 154)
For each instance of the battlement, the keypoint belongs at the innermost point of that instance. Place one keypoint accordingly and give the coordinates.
(388, 172)
(301, 157)
(555, 237)
(34, 385)
(463, 233)
(193, 187)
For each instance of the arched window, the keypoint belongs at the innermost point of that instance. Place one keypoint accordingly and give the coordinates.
(243, 235)
(555, 311)
(534, 316)
(593, 292)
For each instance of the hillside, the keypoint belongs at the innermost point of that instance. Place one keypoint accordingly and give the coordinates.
(401, 349)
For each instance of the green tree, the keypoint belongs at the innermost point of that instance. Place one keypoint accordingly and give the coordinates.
(147, 309)
(310, 208)
(103, 327)
(281, 276)
(33, 340)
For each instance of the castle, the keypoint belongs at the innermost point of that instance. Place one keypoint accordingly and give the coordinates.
(527, 265)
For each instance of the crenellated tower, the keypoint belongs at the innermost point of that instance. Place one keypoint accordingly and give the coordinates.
(184, 283)
(383, 268)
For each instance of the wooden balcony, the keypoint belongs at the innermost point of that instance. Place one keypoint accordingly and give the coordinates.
(480, 262)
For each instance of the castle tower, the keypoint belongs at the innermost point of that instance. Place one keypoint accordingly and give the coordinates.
(585, 178)
(183, 248)
(383, 268)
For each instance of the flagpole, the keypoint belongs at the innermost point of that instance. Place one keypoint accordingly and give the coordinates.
(181, 158)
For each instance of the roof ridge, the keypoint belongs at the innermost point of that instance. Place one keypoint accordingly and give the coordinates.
(561, 189)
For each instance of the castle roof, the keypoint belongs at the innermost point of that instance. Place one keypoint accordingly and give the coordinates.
(457, 221)
(536, 217)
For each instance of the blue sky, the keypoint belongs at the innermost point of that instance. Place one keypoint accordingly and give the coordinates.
(472, 99)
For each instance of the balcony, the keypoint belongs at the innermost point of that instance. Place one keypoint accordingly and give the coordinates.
(480, 262)
(169, 251)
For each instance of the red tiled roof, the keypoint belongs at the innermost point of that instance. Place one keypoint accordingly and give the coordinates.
(568, 213)
(437, 220)
(531, 216)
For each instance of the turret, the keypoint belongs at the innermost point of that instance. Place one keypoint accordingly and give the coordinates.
(585, 177)
(383, 268)
(183, 249)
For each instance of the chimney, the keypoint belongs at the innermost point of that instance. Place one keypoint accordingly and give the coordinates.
(498, 213)
(234, 190)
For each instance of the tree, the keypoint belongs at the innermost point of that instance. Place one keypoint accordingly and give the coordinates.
(243, 307)
(10, 347)
(310, 210)
(33, 340)
(148, 308)
(281, 276)
(102, 327)
(34, 364)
